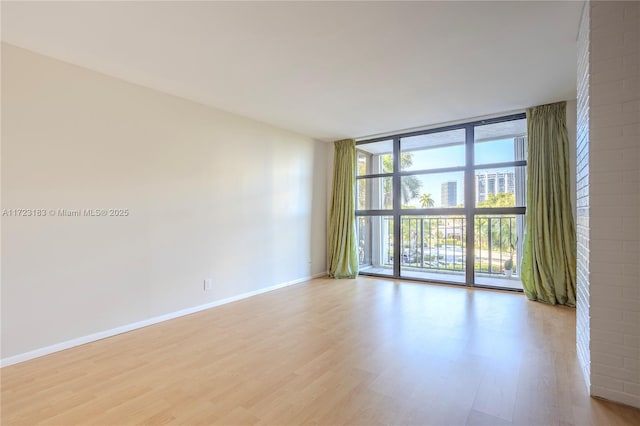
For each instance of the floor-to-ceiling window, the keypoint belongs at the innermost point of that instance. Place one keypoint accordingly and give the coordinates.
(444, 204)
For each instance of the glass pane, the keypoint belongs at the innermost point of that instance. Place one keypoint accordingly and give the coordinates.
(434, 190)
(503, 187)
(434, 247)
(375, 244)
(433, 151)
(375, 157)
(375, 193)
(498, 250)
(500, 142)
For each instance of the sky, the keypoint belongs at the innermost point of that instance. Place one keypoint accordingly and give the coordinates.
(497, 151)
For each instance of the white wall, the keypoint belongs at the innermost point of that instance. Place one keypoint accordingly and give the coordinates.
(613, 220)
(210, 194)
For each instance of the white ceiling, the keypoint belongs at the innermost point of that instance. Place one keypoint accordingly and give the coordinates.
(325, 69)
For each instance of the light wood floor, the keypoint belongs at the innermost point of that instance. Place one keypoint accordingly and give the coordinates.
(365, 351)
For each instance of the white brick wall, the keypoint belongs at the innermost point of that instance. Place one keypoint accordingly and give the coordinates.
(583, 319)
(609, 193)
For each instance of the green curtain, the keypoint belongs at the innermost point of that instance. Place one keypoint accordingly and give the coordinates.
(549, 253)
(342, 244)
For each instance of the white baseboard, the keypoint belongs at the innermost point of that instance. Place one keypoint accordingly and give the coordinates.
(15, 359)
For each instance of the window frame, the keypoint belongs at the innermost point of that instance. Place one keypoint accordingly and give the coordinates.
(469, 211)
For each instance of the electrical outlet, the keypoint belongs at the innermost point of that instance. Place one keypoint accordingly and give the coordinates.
(208, 284)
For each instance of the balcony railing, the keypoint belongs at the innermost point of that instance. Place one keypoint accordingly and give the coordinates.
(434, 243)
(438, 244)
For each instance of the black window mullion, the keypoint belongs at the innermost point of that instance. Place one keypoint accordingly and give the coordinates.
(374, 212)
(431, 211)
(500, 165)
(469, 202)
(377, 175)
(397, 206)
(499, 210)
(434, 171)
